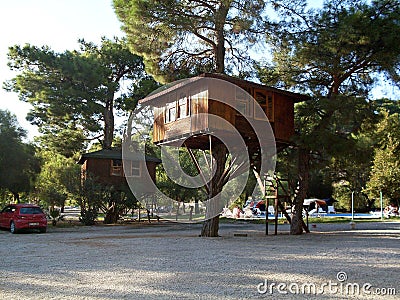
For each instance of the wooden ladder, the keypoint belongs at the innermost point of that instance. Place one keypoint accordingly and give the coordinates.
(279, 193)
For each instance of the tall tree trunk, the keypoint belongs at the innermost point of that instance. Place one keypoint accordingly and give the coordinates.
(219, 49)
(220, 55)
(108, 123)
(112, 215)
(296, 226)
(211, 225)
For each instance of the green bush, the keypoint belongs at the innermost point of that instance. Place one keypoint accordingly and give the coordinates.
(88, 217)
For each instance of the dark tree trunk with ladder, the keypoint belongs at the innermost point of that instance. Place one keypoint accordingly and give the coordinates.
(304, 169)
(211, 225)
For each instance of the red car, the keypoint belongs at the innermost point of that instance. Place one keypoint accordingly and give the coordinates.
(23, 216)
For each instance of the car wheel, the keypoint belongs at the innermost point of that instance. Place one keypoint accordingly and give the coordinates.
(13, 229)
(42, 230)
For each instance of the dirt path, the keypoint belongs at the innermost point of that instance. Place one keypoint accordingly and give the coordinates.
(171, 261)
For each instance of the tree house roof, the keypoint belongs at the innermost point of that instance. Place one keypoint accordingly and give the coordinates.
(111, 154)
(157, 95)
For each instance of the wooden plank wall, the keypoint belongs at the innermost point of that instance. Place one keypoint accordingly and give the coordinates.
(283, 117)
(176, 128)
(199, 105)
(101, 170)
(158, 129)
(221, 110)
(198, 102)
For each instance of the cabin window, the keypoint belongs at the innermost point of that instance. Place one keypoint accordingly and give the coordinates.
(261, 99)
(242, 107)
(183, 107)
(170, 113)
(242, 102)
(133, 169)
(116, 167)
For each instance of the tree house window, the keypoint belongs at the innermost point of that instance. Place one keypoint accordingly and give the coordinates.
(242, 107)
(242, 102)
(266, 101)
(116, 167)
(183, 107)
(133, 169)
(170, 113)
(261, 99)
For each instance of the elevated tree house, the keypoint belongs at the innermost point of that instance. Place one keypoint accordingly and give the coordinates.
(184, 114)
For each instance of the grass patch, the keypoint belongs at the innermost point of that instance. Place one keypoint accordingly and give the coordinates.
(67, 224)
(347, 220)
(331, 220)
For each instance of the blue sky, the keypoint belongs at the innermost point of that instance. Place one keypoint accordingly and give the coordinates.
(56, 23)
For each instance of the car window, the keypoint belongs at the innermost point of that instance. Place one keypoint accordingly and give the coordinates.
(30, 211)
(8, 209)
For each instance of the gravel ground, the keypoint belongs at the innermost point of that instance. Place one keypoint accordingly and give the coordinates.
(170, 261)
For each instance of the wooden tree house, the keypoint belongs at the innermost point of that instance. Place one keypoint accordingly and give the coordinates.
(182, 111)
(185, 115)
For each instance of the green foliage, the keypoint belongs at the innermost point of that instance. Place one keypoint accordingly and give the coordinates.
(385, 172)
(88, 216)
(175, 191)
(55, 215)
(58, 179)
(74, 93)
(333, 54)
(182, 38)
(18, 165)
(335, 49)
(93, 196)
(328, 125)
(67, 141)
(320, 186)
(342, 193)
(89, 195)
(352, 164)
